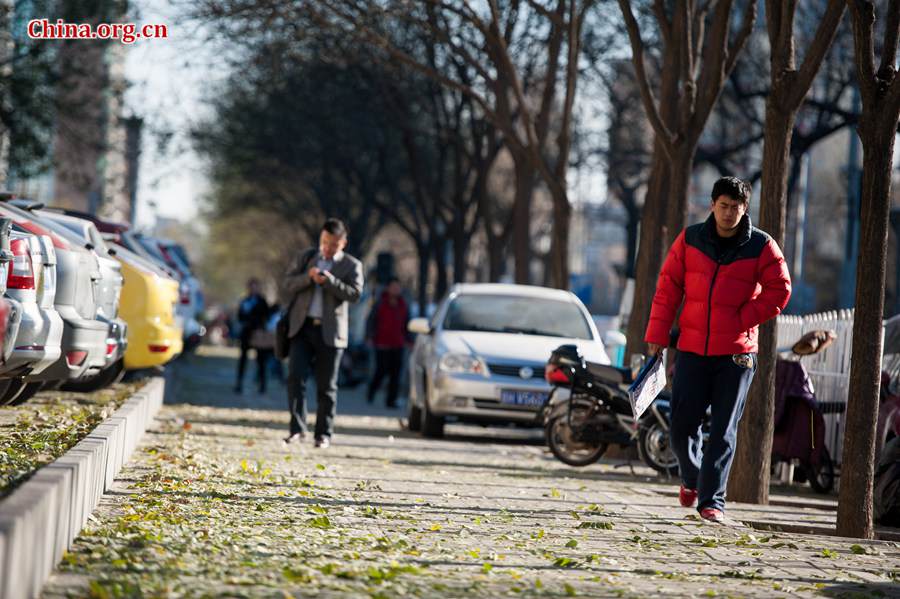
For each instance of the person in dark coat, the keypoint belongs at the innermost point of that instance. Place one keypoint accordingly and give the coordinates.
(252, 314)
(319, 288)
(730, 277)
(386, 332)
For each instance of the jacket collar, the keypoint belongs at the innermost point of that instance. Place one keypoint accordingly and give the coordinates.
(745, 229)
(337, 257)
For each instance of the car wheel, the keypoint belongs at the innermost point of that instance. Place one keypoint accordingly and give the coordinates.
(27, 393)
(413, 412)
(432, 426)
(10, 390)
(102, 379)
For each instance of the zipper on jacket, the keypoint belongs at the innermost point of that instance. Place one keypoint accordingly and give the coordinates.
(709, 307)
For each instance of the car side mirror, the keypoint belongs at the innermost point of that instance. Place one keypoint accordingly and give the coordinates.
(419, 326)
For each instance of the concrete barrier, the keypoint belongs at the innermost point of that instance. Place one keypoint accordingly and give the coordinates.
(40, 520)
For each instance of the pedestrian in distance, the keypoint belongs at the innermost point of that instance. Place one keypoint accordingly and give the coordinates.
(386, 333)
(252, 314)
(318, 289)
(728, 277)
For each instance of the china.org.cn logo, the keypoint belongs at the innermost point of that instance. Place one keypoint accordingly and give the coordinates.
(127, 33)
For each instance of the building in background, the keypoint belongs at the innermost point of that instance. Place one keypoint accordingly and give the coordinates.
(95, 147)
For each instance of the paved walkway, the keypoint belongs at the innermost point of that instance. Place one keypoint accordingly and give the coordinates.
(214, 505)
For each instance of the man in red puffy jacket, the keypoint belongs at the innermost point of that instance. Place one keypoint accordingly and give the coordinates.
(730, 278)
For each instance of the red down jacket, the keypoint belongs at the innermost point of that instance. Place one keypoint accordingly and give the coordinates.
(726, 297)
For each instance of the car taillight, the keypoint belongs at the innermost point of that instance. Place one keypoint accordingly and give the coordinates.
(185, 296)
(75, 358)
(111, 347)
(158, 349)
(555, 375)
(21, 269)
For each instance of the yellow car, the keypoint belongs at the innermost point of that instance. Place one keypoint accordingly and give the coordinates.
(147, 305)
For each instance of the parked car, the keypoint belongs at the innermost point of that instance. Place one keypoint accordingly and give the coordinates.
(169, 257)
(31, 280)
(148, 304)
(149, 296)
(107, 290)
(481, 357)
(84, 345)
(190, 295)
(10, 309)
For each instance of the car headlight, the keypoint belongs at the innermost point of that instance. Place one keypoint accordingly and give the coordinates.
(462, 363)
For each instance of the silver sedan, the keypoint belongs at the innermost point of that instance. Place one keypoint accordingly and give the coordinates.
(481, 357)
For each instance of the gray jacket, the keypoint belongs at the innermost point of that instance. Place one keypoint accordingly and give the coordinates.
(343, 285)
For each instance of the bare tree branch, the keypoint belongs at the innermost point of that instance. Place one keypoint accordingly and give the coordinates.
(821, 43)
(650, 107)
(749, 20)
(863, 13)
(891, 35)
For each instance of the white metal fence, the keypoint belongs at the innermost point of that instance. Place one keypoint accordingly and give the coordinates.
(829, 369)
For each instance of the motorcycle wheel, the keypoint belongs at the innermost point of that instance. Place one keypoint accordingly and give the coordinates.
(655, 451)
(566, 449)
(821, 477)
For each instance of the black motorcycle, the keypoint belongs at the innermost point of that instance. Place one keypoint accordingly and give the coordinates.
(588, 409)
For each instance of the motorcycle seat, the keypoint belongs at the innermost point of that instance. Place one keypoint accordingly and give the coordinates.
(611, 374)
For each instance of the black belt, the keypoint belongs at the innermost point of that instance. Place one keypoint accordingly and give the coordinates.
(316, 322)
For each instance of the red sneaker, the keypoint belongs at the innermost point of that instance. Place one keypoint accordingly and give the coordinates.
(711, 514)
(687, 497)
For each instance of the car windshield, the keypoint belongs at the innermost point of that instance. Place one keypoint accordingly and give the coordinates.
(515, 314)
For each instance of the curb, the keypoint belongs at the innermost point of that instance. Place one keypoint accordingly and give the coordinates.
(40, 519)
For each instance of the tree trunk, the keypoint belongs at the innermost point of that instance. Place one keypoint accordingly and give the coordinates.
(651, 251)
(631, 232)
(857, 466)
(424, 253)
(559, 243)
(460, 253)
(750, 480)
(441, 284)
(522, 219)
(679, 192)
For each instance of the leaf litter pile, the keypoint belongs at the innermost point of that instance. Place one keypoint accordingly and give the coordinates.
(209, 508)
(48, 425)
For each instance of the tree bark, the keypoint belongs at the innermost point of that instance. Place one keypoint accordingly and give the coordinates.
(559, 243)
(750, 481)
(857, 464)
(522, 219)
(679, 192)
(631, 231)
(651, 251)
(424, 254)
(442, 279)
(460, 254)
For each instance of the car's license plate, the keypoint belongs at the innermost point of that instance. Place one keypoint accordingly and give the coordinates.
(523, 398)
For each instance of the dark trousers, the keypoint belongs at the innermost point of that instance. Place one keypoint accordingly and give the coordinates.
(261, 359)
(388, 362)
(309, 352)
(717, 383)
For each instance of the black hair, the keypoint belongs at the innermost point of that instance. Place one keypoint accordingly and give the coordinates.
(335, 226)
(736, 189)
(393, 280)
